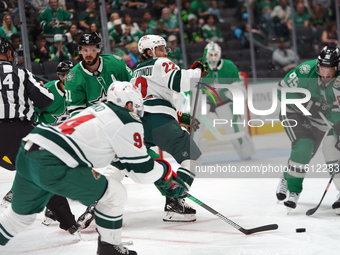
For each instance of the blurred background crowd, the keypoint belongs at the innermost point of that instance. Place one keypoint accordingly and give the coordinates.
(55, 26)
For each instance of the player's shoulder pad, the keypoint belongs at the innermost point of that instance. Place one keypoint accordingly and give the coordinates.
(306, 67)
(148, 62)
(123, 114)
(75, 71)
(111, 57)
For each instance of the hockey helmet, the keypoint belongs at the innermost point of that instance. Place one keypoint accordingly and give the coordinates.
(5, 46)
(150, 42)
(120, 93)
(64, 67)
(213, 55)
(88, 39)
(328, 57)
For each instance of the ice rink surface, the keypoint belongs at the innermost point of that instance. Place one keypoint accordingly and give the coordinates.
(250, 202)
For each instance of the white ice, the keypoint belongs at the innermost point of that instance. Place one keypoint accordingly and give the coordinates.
(250, 202)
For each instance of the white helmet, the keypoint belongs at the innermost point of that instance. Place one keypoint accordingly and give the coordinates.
(213, 55)
(120, 93)
(150, 42)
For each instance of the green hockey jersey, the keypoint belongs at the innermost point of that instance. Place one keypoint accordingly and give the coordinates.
(57, 111)
(305, 76)
(84, 88)
(60, 16)
(226, 73)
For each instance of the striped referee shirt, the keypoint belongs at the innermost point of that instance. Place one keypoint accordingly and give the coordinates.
(20, 93)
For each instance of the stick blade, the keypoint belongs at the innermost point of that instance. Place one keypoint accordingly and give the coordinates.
(311, 211)
(259, 229)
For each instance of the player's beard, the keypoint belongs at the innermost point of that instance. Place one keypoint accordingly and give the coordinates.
(91, 63)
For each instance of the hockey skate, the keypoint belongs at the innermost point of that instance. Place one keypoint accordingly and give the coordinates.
(281, 191)
(87, 217)
(336, 205)
(110, 249)
(177, 210)
(75, 230)
(49, 217)
(290, 203)
(7, 199)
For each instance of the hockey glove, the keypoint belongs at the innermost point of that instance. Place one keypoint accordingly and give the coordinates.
(314, 107)
(185, 120)
(170, 185)
(198, 63)
(336, 129)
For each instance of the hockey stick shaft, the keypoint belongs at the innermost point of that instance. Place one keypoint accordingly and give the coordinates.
(230, 222)
(197, 95)
(313, 210)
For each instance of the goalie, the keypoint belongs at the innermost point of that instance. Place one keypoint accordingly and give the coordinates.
(223, 71)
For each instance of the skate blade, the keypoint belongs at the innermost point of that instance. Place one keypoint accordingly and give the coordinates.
(288, 210)
(5, 203)
(176, 217)
(337, 211)
(77, 235)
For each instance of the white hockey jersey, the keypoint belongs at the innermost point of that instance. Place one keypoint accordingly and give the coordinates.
(157, 79)
(98, 135)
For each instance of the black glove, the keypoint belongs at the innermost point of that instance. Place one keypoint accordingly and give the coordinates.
(315, 106)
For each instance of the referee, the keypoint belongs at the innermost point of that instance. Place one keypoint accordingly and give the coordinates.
(19, 94)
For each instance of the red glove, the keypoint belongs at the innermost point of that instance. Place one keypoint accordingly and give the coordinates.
(203, 66)
(170, 184)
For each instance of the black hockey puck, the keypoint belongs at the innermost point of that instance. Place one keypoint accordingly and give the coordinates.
(300, 230)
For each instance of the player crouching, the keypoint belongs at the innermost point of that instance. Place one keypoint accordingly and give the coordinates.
(60, 160)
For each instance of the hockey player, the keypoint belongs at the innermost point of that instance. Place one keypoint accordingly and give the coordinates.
(223, 71)
(321, 78)
(157, 77)
(58, 208)
(18, 92)
(60, 160)
(88, 81)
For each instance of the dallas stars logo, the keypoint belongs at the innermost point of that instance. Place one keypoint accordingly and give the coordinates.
(101, 98)
(61, 117)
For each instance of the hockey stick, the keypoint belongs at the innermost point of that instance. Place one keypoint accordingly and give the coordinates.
(197, 95)
(230, 222)
(313, 210)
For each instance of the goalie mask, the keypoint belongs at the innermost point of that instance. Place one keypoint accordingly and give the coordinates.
(150, 42)
(213, 55)
(121, 93)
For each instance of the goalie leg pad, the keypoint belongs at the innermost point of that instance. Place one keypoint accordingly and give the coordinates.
(244, 146)
(12, 223)
(109, 212)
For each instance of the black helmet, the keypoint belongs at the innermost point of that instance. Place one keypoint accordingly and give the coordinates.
(329, 57)
(64, 67)
(89, 39)
(6, 45)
